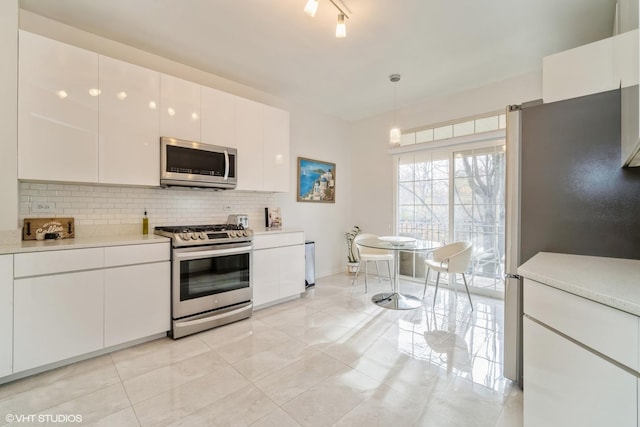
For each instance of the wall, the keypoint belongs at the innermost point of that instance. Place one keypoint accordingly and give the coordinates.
(322, 138)
(119, 209)
(8, 119)
(372, 165)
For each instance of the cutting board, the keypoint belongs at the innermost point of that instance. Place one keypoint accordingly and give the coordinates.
(63, 228)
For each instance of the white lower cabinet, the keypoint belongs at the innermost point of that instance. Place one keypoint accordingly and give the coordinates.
(57, 317)
(136, 302)
(68, 303)
(6, 315)
(291, 270)
(567, 385)
(278, 267)
(266, 275)
(580, 361)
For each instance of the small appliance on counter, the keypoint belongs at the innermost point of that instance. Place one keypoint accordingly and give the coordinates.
(239, 219)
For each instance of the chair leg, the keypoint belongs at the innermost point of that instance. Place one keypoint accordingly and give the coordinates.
(436, 292)
(377, 272)
(467, 288)
(426, 280)
(390, 278)
(355, 276)
(366, 273)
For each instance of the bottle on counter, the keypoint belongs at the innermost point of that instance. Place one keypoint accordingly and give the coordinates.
(145, 223)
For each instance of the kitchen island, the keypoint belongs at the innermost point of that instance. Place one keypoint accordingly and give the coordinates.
(581, 340)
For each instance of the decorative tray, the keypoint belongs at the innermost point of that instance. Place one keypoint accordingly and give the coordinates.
(48, 228)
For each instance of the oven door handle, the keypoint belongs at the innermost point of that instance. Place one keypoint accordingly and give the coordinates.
(210, 253)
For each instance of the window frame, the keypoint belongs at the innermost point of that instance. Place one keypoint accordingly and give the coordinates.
(452, 145)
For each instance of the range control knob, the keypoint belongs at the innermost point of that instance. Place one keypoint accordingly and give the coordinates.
(232, 233)
(193, 236)
(184, 236)
(202, 235)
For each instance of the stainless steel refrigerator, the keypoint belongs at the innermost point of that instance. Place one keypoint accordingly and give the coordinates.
(566, 192)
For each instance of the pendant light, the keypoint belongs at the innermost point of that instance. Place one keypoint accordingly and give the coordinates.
(341, 28)
(394, 133)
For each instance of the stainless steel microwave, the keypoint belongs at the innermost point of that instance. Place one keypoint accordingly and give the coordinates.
(194, 164)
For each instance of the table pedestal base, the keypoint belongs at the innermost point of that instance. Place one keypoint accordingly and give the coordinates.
(396, 301)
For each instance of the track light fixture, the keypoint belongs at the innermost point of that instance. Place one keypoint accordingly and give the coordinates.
(341, 29)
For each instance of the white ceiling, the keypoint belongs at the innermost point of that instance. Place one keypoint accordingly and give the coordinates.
(438, 46)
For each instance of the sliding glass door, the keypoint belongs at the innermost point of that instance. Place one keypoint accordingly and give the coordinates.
(454, 194)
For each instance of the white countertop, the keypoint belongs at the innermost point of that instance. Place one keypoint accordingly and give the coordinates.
(81, 242)
(102, 241)
(611, 281)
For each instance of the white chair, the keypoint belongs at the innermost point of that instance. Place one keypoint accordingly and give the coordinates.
(366, 255)
(453, 259)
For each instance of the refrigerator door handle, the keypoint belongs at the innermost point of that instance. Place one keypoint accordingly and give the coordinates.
(512, 276)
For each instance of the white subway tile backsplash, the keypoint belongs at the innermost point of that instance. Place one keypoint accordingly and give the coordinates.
(123, 207)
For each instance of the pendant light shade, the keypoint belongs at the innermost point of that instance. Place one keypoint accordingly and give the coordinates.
(395, 134)
(341, 28)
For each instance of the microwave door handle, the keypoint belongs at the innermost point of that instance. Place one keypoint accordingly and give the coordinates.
(226, 165)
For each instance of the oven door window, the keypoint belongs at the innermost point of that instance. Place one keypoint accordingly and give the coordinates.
(213, 275)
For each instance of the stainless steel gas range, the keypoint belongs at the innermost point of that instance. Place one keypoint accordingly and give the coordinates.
(211, 282)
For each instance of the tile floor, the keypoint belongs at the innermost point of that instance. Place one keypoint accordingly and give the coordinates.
(329, 358)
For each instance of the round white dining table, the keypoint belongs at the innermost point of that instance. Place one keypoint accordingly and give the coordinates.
(396, 244)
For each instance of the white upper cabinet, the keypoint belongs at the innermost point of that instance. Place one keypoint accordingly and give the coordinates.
(129, 124)
(179, 108)
(218, 117)
(596, 67)
(249, 144)
(262, 140)
(276, 149)
(578, 72)
(57, 111)
(84, 117)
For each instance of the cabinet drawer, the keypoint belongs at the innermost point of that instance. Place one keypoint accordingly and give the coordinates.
(611, 332)
(50, 262)
(262, 241)
(136, 254)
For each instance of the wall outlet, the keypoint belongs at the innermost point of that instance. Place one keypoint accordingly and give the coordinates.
(43, 207)
(227, 208)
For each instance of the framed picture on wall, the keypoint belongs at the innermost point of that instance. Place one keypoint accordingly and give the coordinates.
(316, 181)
